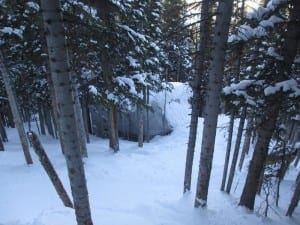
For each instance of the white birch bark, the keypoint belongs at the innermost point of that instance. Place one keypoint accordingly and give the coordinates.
(60, 72)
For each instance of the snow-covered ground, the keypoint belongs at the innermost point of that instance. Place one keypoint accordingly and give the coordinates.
(137, 186)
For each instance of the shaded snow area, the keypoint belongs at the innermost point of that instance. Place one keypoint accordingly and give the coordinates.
(137, 186)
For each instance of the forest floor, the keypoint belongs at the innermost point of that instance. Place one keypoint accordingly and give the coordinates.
(136, 186)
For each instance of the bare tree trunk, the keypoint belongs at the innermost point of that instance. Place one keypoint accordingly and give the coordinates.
(228, 149)
(141, 125)
(2, 131)
(295, 199)
(61, 77)
(147, 115)
(80, 127)
(41, 121)
(48, 121)
(113, 129)
(247, 141)
(14, 109)
(212, 106)
(85, 119)
(1, 144)
(196, 87)
(39, 150)
(236, 150)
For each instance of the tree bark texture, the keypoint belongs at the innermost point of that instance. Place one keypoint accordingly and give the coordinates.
(140, 126)
(196, 87)
(61, 77)
(271, 109)
(3, 131)
(15, 110)
(228, 149)
(295, 199)
(39, 150)
(1, 144)
(80, 126)
(113, 129)
(247, 141)
(236, 150)
(41, 121)
(212, 102)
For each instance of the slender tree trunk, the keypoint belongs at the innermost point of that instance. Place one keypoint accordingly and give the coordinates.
(212, 107)
(61, 77)
(37, 146)
(80, 126)
(295, 199)
(14, 109)
(247, 141)
(2, 131)
(85, 119)
(48, 121)
(1, 144)
(41, 121)
(141, 125)
(236, 150)
(228, 149)
(113, 129)
(196, 87)
(147, 115)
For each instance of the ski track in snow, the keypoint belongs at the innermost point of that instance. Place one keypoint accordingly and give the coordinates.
(137, 186)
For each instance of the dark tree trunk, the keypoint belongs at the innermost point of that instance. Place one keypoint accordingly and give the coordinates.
(213, 94)
(39, 150)
(85, 119)
(140, 126)
(196, 87)
(113, 129)
(41, 121)
(265, 131)
(295, 199)
(236, 150)
(228, 149)
(3, 131)
(271, 109)
(247, 141)
(1, 144)
(48, 121)
(15, 110)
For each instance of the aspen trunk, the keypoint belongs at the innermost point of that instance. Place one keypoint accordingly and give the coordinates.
(15, 111)
(39, 150)
(212, 107)
(228, 149)
(61, 77)
(196, 87)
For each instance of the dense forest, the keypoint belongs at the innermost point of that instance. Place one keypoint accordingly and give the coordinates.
(59, 59)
